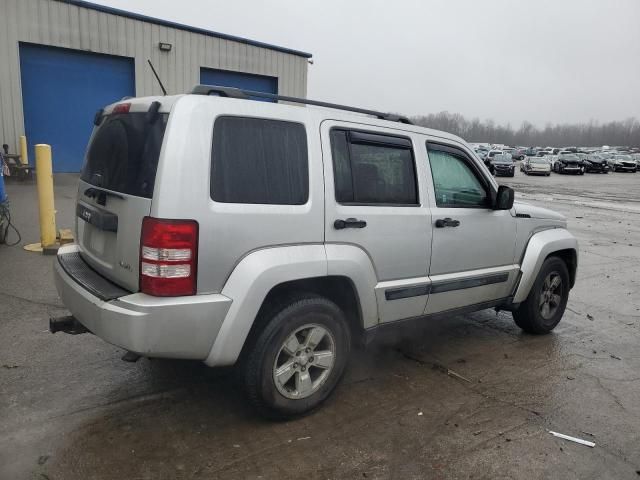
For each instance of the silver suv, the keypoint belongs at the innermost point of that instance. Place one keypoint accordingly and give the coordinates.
(271, 236)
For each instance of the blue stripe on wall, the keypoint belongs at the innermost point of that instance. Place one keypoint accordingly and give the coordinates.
(247, 81)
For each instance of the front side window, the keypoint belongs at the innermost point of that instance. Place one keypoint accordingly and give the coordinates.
(455, 182)
(259, 161)
(373, 169)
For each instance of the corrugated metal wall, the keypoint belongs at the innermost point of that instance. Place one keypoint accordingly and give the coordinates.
(55, 23)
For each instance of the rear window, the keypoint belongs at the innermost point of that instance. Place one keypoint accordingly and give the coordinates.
(259, 161)
(124, 152)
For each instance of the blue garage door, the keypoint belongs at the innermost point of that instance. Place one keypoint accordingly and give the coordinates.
(246, 81)
(61, 92)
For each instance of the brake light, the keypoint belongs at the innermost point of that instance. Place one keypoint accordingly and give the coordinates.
(121, 108)
(168, 257)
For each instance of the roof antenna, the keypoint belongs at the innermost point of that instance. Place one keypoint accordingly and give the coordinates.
(164, 91)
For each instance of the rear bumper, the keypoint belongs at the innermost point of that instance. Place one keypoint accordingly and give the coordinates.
(170, 327)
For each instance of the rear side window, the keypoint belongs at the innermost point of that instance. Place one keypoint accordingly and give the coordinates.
(373, 169)
(259, 161)
(124, 152)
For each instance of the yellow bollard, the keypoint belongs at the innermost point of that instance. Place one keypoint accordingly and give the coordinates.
(24, 153)
(44, 180)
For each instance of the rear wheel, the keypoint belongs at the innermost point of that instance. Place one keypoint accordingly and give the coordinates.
(296, 361)
(547, 300)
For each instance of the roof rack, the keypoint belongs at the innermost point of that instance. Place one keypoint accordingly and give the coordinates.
(232, 92)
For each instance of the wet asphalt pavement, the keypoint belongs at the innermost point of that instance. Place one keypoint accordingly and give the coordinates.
(470, 397)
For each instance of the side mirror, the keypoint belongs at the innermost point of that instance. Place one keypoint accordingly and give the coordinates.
(504, 198)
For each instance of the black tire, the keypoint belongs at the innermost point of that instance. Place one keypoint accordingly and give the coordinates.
(528, 316)
(264, 350)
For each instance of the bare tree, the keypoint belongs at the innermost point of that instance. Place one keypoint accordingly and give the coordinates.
(591, 134)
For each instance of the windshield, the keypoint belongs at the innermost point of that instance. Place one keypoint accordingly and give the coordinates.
(538, 160)
(569, 156)
(123, 153)
(503, 157)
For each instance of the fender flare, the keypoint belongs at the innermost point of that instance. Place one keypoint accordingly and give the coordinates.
(248, 285)
(260, 271)
(539, 247)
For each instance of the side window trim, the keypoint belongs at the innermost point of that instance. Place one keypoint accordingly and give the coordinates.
(462, 155)
(360, 137)
(363, 137)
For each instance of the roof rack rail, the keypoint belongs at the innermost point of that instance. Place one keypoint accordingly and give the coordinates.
(232, 92)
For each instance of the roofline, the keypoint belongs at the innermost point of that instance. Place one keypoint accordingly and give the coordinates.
(180, 26)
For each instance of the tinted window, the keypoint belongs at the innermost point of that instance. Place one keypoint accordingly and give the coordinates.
(259, 161)
(373, 169)
(455, 182)
(123, 154)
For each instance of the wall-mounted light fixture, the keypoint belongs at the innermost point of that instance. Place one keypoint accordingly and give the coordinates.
(165, 47)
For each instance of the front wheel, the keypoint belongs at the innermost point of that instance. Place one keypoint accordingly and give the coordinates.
(298, 358)
(547, 300)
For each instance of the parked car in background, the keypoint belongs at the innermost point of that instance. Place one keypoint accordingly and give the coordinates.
(503, 165)
(481, 153)
(509, 150)
(568, 163)
(622, 163)
(594, 163)
(518, 153)
(531, 152)
(535, 166)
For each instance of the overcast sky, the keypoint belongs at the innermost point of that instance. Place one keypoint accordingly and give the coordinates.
(538, 60)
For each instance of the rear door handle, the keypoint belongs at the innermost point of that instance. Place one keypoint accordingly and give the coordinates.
(447, 222)
(349, 223)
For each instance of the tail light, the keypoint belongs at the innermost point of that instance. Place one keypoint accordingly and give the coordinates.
(168, 257)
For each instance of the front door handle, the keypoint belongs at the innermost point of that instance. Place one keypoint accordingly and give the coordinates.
(447, 222)
(349, 223)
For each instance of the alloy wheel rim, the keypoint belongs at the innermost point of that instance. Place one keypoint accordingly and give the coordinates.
(304, 362)
(550, 296)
